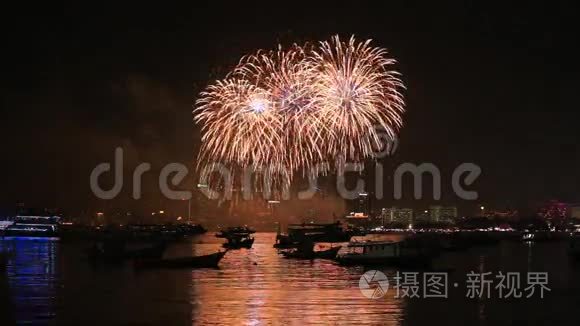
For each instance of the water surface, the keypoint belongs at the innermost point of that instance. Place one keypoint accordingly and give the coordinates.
(48, 282)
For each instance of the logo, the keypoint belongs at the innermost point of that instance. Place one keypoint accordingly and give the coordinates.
(373, 284)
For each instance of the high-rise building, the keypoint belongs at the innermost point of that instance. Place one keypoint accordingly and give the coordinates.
(363, 204)
(386, 216)
(442, 213)
(397, 215)
(404, 215)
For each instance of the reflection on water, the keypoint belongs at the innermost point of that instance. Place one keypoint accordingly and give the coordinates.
(48, 281)
(259, 287)
(32, 279)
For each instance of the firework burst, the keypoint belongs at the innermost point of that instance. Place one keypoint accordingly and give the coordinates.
(356, 91)
(296, 109)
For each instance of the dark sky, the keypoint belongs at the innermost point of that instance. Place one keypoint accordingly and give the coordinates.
(492, 84)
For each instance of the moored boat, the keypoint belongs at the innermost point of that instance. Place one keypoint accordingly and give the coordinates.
(331, 232)
(284, 242)
(238, 242)
(235, 231)
(205, 261)
(32, 227)
(320, 254)
(401, 253)
(313, 232)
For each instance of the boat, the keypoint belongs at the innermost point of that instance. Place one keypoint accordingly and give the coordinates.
(192, 229)
(206, 261)
(32, 226)
(313, 232)
(238, 242)
(235, 231)
(320, 254)
(284, 242)
(405, 253)
(321, 232)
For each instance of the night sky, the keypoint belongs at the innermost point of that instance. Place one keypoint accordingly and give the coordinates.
(492, 84)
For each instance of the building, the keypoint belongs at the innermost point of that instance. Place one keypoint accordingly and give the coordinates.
(363, 204)
(385, 216)
(404, 215)
(442, 213)
(397, 215)
(422, 217)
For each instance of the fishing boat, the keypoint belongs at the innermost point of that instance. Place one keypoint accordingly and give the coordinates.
(285, 243)
(314, 232)
(205, 261)
(238, 242)
(405, 253)
(235, 231)
(319, 254)
(331, 232)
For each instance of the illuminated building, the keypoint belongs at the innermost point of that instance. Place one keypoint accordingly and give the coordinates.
(397, 215)
(363, 203)
(442, 213)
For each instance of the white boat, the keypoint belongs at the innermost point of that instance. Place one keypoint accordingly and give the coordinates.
(32, 226)
(400, 253)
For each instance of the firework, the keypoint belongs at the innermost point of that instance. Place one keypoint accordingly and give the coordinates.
(297, 109)
(289, 77)
(239, 125)
(356, 91)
